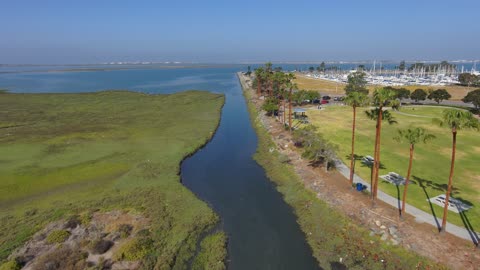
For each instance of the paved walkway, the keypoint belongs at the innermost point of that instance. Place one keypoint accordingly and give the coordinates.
(420, 215)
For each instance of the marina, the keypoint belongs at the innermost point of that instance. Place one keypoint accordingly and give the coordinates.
(422, 74)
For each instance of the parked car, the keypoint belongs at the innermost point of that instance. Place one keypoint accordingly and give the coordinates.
(316, 101)
(326, 98)
(325, 101)
(338, 98)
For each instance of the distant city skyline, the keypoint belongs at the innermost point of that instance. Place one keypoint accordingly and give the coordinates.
(61, 32)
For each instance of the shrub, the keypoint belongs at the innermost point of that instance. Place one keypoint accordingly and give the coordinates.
(149, 262)
(125, 230)
(270, 106)
(101, 246)
(31, 212)
(58, 236)
(72, 222)
(64, 258)
(143, 233)
(11, 265)
(283, 158)
(85, 218)
(134, 250)
(212, 254)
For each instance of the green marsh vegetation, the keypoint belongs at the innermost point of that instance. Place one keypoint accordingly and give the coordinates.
(73, 154)
(212, 253)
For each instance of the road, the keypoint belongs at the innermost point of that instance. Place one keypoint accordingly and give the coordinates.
(456, 103)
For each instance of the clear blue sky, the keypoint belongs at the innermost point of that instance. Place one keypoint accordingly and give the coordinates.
(237, 31)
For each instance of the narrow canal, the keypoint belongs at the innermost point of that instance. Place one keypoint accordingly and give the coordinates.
(262, 230)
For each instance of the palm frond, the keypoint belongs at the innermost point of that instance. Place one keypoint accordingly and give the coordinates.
(414, 135)
(458, 119)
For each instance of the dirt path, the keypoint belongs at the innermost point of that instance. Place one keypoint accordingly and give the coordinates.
(383, 219)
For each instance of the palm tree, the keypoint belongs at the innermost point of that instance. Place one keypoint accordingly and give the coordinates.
(278, 82)
(259, 74)
(385, 115)
(412, 136)
(284, 94)
(381, 97)
(354, 99)
(269, 77)
(290, 85)
(455, 120)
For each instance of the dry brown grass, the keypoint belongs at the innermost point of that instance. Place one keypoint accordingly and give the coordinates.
(457, 91)
(335, 88)
(476, 149)
(322, 86)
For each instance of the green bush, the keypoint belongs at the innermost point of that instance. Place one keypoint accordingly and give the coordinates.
(85, 218)
(11, 265)
(212, 254)
(73, 222)
(125, 230)
(31, 212)
(270, 106)
(283, 158)
(101, 246)
(143, 233)
(62, 258)
(134, 250)
(58, 236)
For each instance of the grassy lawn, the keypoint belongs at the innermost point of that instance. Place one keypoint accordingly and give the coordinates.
(66, 154)
(335, 88)
(431, 164)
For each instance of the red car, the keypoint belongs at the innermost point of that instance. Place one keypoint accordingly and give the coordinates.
(324, 101)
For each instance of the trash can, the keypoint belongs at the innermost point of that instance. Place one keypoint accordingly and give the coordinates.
(359, 187)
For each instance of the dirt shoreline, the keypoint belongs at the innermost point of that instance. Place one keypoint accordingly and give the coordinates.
(332, 188)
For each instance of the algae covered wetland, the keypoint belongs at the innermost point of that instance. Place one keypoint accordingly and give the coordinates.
(74, 154)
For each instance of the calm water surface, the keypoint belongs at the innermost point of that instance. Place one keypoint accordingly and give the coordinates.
(262, 230)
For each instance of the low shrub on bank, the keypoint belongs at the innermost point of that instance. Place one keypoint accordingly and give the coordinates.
(73, 222)
(58, 236)
(212, 254)
(135, 249)
(62, 258)
(125, 230)
(11, 265)
(101, 246)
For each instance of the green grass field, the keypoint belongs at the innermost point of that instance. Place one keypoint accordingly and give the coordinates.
(65, 154)
(431, 164)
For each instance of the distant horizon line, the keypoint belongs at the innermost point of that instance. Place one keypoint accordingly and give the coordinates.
(241, 62)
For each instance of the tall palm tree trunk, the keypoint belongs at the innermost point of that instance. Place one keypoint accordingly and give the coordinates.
(284, 112)
(450, 178)
(374, 165)
(380, 116)
(404, 199)
(352, 162)
(290, 111)
(377, 154)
